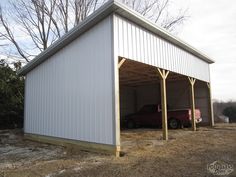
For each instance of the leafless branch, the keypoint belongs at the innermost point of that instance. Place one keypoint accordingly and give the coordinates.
(9, 35)
(44, 21)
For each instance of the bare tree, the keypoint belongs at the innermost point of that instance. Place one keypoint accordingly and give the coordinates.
(34, 18)
(84, 8)
(2, 38)
(44, 21)
(9, 36)
(157, 11)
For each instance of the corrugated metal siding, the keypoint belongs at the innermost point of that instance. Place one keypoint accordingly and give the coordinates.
(136, 43)
(127, 101)
(132, 99)
(178, 94)
(70, 94)
(148, 94)
(178, 97)
(201, 100)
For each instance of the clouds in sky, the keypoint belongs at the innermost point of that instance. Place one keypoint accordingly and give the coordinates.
(211, 28)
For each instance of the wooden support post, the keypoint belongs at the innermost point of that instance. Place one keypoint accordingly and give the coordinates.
(121, 62)
(163, 74)
(211, 114)
(117, 103)
(192, 82)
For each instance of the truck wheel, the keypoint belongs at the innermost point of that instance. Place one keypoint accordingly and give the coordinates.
(173, 123)
(130, 124)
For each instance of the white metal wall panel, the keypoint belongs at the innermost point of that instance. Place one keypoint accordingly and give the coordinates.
(127, 101)
(148, 94)
(178, 96)
(134, 42)
(133, 98)
(70, 94)
(201, 100)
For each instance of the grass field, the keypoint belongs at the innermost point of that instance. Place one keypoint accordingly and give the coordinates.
(144, 154)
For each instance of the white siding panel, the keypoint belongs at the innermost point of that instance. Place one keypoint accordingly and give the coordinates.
(70, 94)
(148, 94)
(127, 101)
(201, 100)
(141, 45)
(178, 96)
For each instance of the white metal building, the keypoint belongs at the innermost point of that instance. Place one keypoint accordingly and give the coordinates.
(104, 68)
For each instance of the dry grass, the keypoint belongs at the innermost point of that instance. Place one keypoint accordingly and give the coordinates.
(187, 154)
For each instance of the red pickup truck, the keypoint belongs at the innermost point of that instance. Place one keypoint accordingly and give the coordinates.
(150, 115)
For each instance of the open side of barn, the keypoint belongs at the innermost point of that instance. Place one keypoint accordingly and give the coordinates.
(152, 70)
(78, 90)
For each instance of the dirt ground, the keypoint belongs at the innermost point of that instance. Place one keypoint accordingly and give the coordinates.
(186, 154)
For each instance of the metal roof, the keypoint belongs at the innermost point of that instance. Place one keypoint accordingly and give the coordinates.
(112, 6)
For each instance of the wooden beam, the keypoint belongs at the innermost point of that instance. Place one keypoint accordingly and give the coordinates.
(138, 73)
(192, 82)
(138, 82)
(163, 74)
(75, 144)
(121, 62)
(210, 108)
(160, 73)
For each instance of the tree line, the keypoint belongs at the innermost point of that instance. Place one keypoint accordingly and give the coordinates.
(225, 108)
(12, 96)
